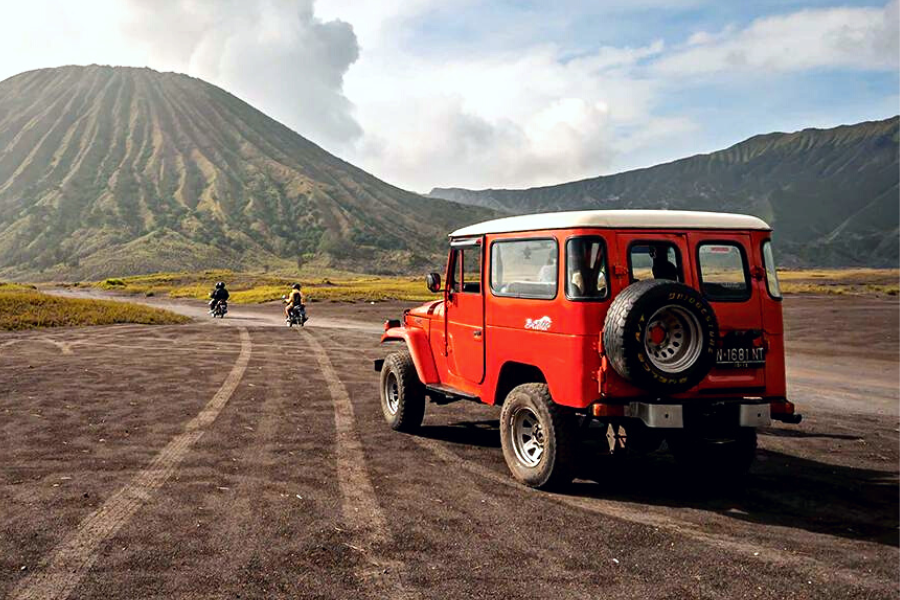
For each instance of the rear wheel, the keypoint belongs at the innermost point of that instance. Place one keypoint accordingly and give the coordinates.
(402, 394)
(538, 437)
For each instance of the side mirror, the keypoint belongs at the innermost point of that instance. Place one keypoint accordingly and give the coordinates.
(433, 282)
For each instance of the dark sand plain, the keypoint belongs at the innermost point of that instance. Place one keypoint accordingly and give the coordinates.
(243, 459)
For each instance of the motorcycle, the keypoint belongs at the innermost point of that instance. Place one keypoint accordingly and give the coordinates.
(219, 309)
(296, 315)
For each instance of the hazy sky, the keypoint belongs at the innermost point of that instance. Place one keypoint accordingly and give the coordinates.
(478, 93)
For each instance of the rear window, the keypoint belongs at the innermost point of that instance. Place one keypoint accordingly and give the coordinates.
(525, 268)
(655, 259)
(723, 272)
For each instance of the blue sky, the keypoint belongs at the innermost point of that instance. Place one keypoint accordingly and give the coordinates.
(496, 93)
(695, 111)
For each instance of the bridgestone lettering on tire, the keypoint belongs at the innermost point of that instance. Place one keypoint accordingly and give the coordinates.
(551, 427)
(661, 336)
(402, 394)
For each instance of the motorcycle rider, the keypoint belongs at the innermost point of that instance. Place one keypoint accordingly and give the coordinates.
(295, 298)
(219, 294)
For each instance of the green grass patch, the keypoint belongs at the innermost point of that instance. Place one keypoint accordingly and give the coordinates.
(254, 288)
(22, 307)
(841, 282)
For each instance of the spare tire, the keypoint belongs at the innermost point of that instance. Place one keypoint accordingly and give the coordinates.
(661, 336)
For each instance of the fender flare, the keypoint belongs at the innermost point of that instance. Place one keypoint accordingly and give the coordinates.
(419, 348)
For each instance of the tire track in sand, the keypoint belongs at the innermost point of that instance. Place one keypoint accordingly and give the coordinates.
(61, 572)
(734, 543)
(359, 505)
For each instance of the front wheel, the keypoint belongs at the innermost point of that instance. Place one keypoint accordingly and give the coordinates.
(538, 437)
(402, 394)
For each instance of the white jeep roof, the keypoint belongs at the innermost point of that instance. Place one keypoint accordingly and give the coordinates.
(616, 219)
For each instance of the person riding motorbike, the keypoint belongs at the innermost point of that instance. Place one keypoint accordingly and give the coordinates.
(219, 294)
(294, 299)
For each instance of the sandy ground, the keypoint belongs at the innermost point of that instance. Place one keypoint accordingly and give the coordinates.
(243, 459)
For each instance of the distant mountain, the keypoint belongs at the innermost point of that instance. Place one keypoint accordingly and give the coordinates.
(109, 171)
(830, 194)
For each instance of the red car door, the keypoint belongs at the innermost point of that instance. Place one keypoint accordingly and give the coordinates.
(465, 314)
(725, 275)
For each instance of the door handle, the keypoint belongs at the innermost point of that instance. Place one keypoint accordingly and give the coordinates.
(477, 334)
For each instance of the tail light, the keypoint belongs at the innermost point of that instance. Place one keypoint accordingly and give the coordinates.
(760, 342)
(600, 409)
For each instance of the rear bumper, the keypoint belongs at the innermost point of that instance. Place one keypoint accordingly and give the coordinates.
(727, 412)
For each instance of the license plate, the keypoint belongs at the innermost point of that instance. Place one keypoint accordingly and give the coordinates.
(740, 358)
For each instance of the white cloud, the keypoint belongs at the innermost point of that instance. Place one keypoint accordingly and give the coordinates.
(275, 54)
(511, 119)
(534, 115)
(504, 108)
(855, 38)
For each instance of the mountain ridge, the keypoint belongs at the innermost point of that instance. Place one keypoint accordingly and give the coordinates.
(114, 170)
(831, 194)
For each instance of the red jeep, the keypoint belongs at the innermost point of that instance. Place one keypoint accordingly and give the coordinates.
(659, 325)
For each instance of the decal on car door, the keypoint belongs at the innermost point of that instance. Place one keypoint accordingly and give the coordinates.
(542, 324)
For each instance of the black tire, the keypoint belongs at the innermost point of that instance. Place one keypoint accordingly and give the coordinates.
(628, 323)
(402, 394)
(713, 459)
(558, 437)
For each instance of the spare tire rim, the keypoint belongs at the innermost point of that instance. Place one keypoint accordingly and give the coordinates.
(673, 339)
(392, 393)
(527, 437)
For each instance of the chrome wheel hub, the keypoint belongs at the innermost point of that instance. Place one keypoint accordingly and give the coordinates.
(392, 393)
(527, 437)
(672, 339)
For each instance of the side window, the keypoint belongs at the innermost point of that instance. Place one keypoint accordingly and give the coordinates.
(465, 270)
(525, 268)
(654, 260)
(771, 273)
(456, 274)
(723, 272)
(586, 268)
(472, 270)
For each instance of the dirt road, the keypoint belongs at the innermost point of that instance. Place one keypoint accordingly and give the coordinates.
(244, 459)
